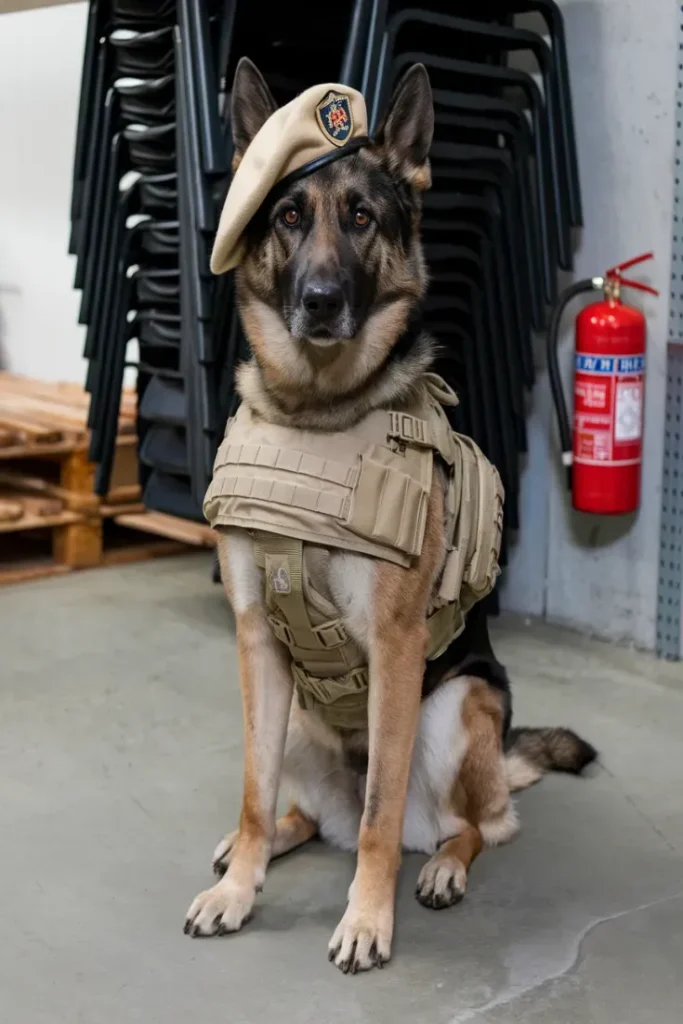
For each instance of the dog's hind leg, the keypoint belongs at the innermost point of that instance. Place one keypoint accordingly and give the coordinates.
(318, 781)
(477, 807)
(482, 790)
(291, 830)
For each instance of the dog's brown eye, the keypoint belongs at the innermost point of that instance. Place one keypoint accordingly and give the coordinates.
(291, 217)
(361, 219)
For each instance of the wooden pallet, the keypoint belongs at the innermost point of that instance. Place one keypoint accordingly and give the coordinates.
(51, 521)
(195, 535)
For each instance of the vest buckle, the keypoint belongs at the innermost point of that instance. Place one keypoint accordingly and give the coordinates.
(282, 631)
(331, 634)
(408, 430)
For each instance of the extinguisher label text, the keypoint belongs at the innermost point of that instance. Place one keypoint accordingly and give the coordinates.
(628, 422)
(608, 409)
(593, 396)
(610, 364)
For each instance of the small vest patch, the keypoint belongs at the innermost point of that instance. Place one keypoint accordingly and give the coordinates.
(280, 581)
(335, 118)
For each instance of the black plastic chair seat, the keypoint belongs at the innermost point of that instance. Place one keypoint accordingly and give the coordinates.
(157, 328)
(164, 492)
(151, 147)
(136, 110)
(135, 63)
(136, 39)
(158, 191)
(164, 401)
(152, 88)
(158, 362)
(159, 333)
(154, 285)
(162, 239)
(165, 448)
(143, 53)
(147, 101)
(151, 12)
(148, 54)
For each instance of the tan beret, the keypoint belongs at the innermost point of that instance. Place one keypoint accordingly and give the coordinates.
(322, 124)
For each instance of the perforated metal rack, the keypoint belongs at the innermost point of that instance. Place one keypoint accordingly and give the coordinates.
(669, 607)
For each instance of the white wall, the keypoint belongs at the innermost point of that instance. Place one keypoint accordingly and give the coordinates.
(40, 67)
(598, 573)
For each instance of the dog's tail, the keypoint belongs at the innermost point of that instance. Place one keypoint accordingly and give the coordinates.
(530, 753)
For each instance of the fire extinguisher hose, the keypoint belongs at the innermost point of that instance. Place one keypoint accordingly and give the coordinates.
(589, 284)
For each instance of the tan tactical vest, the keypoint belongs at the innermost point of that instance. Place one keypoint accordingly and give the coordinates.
(300, 493)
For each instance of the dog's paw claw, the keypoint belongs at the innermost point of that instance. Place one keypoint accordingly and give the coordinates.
(442, 883)
(359, 945)
(218, 911)
(222, 855)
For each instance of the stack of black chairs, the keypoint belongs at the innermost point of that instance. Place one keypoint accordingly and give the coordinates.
(498, 221)
(151, 148)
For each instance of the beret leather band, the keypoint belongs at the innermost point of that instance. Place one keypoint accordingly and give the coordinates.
(321, 161)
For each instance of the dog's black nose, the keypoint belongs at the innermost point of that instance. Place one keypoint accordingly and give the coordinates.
(323, 300)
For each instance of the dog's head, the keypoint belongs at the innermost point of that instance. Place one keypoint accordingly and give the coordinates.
(333, 267)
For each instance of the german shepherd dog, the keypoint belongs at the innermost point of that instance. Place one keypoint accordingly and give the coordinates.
(329, 294)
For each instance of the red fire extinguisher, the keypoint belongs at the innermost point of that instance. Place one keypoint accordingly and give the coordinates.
(604, 454)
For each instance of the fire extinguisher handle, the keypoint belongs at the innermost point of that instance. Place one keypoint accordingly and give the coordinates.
(552, 340)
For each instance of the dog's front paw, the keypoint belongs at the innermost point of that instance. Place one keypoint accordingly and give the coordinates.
(441, 883)
(222, 855)
(362, 940)
(219, 910)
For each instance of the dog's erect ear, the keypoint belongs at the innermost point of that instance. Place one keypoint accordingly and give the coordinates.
(408, 126)
(252, 105)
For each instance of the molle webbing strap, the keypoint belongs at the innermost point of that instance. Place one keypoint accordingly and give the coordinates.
(409, 430)
(282, 559)
(291, 461)
(374, 485)
(341, 702)
(332, 689)
(320, 653)
(330, 635)
(280, 492)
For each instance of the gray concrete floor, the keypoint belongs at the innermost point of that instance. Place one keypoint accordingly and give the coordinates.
(120, 769)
